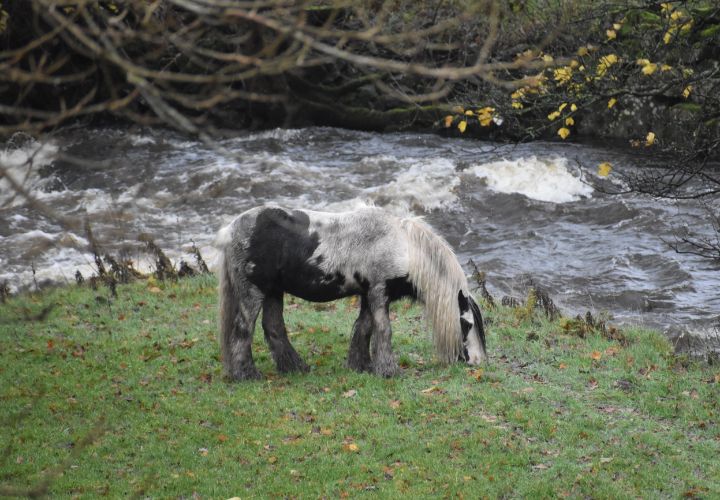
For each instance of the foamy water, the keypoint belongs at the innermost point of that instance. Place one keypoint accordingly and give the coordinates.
(547, 179)
(514, 210)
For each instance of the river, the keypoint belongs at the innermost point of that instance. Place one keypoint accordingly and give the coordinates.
(516, 210)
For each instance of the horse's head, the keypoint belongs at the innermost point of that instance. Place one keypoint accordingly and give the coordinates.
(473, 331)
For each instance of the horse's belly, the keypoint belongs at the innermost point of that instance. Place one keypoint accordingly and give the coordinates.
(322, 290)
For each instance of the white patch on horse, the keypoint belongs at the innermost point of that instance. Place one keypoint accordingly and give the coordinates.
(384, 254)
(472, 342)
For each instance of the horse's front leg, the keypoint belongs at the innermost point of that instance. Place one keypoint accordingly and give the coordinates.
(383, 359)
(285, 356)
(359, 354)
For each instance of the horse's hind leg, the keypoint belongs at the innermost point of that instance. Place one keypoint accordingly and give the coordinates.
(359, 354)
(236, 346)
(383, 359)
(285, 356)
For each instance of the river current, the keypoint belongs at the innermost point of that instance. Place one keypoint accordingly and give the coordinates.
(516, 210)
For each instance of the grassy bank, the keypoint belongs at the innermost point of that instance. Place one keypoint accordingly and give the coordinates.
(125, 396)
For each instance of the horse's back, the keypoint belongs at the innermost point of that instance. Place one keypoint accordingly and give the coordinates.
(320, 255)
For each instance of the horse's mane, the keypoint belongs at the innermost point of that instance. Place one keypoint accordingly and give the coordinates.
(437, 276)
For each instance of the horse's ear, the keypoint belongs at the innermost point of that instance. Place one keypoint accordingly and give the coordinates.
(463, 301)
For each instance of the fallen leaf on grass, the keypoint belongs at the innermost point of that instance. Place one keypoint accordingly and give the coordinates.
(351, 447)
(611, 351)
(394, 404)
(562, 366)
(203, 451)
(350, 393)
(596, 355)
(540, 466)
(477, 374)
(433, 389)
(222, 438)
(272, 459)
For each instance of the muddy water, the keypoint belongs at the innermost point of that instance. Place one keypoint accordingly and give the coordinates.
(515, 210)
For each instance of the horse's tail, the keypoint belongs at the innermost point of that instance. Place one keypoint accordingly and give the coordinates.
(229, 302)
(437, 276)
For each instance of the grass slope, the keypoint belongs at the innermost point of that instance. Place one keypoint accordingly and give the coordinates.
(139, 378)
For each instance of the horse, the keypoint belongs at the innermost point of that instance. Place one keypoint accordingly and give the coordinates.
(268, 251)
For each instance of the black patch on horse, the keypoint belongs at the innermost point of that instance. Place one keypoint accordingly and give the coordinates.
(398, 288)
(465, 325)
(478, 319)
(281, 245)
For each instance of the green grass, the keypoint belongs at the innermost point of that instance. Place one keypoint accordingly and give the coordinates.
(139, 377)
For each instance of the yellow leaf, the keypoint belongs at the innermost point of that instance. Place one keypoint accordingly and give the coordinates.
(485, 120)
(582, 51)
(611, 34)
(553, 115)
(569, 121)
(650, 139)
(649, 69)
(611, 102)
(272, 460)
(666, 7)
(617, 26)
(564, 132)
(448, 121)
(665, 67)
(573, 107)
(458, 109)
(642, 62)
(667, 37)
(469, 112)
(604, 169)
(562, 106)
(596, 355)
(486, 110)
(477, 374)
(517, 105)
(462, 126)
(351, 447)
(547, 58)
(611, 58)
(686, 91)
(518, 94)
(676, 15)
(562, 366)
(686, 27)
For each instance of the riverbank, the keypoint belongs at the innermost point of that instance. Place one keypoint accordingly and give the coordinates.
(124, 395)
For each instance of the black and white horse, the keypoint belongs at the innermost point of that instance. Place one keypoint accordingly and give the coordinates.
(317, 256)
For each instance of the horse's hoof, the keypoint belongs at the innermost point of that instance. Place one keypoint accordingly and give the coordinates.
(247, 374)
(386, 370)
(292, 363)
(358, 364)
